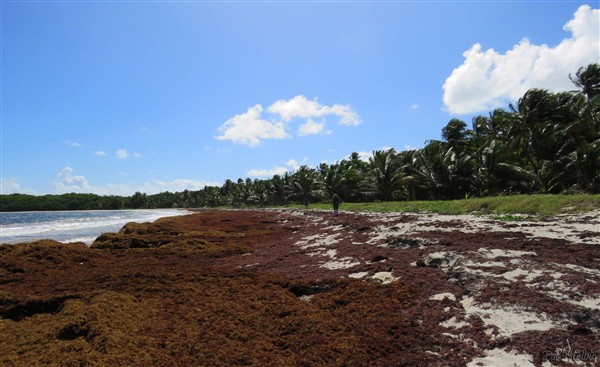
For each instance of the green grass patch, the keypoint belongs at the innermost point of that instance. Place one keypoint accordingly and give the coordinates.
(504, 206)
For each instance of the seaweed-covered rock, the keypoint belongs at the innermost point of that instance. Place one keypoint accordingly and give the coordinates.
(21, 258)
(441, 260)
(123, 241)
(134, 228)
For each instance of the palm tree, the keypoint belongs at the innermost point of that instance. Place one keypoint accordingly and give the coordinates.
(276, 190)
(531, 131)
(355, 163)
(259, 193)
(386, 179)
(213, 196)
(443, 171)
(332, 179)
(456, 134)
(588, 79)
(304, 184)
(580, 135)
(354, 172)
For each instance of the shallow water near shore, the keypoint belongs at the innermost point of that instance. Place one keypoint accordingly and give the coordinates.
(73, 226)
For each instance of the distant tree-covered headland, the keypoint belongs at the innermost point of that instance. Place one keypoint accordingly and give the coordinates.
(545, 143)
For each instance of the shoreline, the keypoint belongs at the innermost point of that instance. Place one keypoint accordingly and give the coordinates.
(73, 226)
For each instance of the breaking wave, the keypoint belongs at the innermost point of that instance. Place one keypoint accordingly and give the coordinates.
(72, 226)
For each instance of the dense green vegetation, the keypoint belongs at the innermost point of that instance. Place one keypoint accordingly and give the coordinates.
(22, 202)
(546, 143)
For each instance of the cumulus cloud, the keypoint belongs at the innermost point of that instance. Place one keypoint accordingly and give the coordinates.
(67, 182)
(179, 185)
(294, 163)
(365, 156)
(488, 79)
(9, 185)
(312, 128)
(250, 128)
(300, 107)
(100, 153)
(291, 165)
(151, 188)
(267, 172)
(12, 185)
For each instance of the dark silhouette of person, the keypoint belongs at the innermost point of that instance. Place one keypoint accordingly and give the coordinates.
(335, 201)
(305, 203)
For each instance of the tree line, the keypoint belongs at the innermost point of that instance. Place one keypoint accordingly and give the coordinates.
(544, 143)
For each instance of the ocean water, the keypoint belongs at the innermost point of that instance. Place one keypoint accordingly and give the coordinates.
(73, 226)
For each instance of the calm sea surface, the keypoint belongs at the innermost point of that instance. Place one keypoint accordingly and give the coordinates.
(73, 226)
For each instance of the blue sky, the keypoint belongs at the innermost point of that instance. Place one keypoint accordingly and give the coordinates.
(118, 97)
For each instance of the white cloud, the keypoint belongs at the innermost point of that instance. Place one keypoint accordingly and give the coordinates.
(489, 79)
(67, 182)
(267, 172)
(249, 128)
(12, 185)
(121, 154)
(300, 107)
(153, 187)
(294, 163)
(73, 144)
(137, 155)
(178, 185)
(9, 185)
(312, 128)
(100, 153)
(291, 164)
(362, 155)
(414, 106)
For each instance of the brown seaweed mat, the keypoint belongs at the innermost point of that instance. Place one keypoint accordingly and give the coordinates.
(279, 288)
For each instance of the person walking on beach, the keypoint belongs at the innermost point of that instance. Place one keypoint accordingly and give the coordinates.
(335, 201)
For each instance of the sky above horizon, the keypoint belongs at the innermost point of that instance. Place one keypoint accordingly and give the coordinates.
(117, 97)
